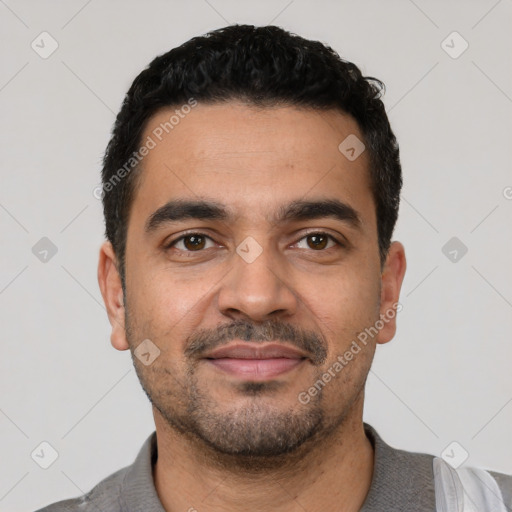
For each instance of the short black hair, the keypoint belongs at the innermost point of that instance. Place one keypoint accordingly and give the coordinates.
(263, 66)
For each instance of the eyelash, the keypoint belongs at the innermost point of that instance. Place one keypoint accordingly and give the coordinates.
(197, 233)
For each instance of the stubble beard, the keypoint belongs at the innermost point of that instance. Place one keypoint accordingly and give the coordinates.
(257, 437)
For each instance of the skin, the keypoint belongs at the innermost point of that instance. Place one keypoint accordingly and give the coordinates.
(254, 161)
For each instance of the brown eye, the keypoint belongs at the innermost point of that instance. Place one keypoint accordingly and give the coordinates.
(193, 242)
(317, 241)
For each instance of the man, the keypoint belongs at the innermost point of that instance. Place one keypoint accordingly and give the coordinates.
(250, 191)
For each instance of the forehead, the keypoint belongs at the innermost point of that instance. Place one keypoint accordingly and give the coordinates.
(251, 159)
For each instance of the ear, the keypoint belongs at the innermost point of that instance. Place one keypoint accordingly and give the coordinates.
(391, 283)
(112, 292)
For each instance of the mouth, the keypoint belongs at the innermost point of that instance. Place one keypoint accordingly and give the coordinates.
(256, 362)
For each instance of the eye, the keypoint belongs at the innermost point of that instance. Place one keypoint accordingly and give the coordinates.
(318, 241)
(196, 242)
(191, 242)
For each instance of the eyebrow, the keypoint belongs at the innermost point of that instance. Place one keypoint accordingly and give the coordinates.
(179, 209)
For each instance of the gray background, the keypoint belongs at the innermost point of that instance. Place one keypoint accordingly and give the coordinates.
(447, 374)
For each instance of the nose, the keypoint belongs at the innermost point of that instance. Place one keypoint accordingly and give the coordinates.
(257, 289)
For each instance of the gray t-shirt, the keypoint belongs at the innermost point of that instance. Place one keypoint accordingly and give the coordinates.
(402, 481)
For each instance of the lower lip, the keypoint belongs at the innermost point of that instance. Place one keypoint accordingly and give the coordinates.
(256, 369)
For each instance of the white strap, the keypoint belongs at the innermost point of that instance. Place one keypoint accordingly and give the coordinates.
(465, 489)
(449, 491)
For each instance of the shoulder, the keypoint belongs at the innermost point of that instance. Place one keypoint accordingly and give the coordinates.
(402, 480)
(103, 496)
(405, 479)
(505, 484)
(129, 488)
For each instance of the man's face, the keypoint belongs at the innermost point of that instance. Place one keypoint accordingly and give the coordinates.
(271, 272)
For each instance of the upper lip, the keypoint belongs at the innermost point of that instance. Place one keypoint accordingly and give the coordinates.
(246, 350)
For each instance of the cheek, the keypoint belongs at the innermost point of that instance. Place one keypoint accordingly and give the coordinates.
(346, 316)
(166, 306)
(346, 301)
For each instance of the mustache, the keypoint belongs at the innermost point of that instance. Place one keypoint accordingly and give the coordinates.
(308, 341)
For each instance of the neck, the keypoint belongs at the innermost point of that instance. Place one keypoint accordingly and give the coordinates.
(335, 474)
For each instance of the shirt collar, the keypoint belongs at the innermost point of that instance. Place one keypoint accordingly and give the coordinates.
(138, 493)
(400, 479)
